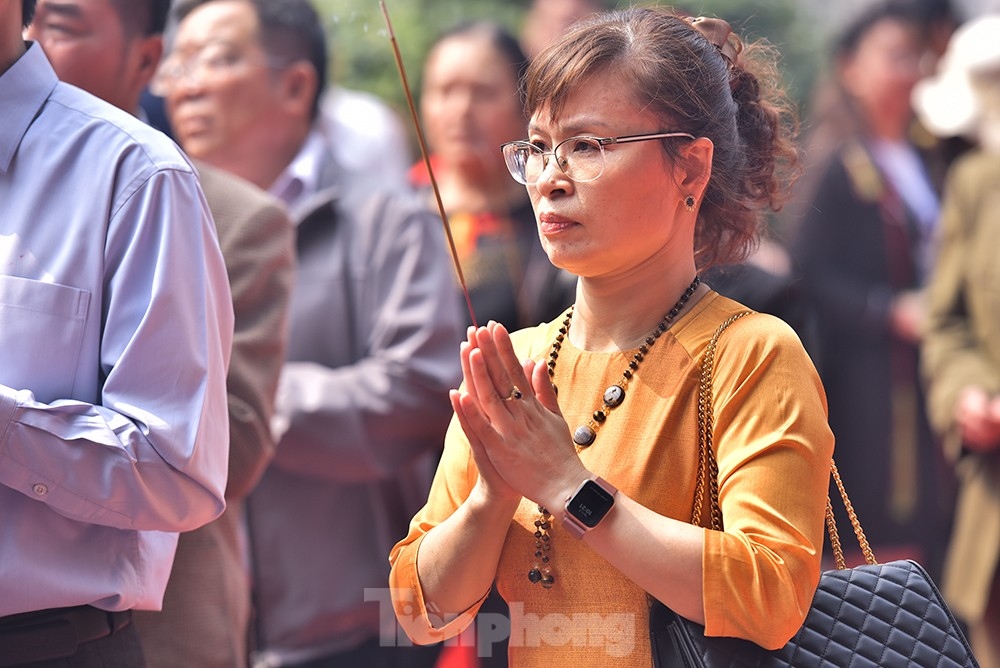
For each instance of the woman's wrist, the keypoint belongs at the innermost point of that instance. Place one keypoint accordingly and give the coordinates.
(485, 503)
(563, 487)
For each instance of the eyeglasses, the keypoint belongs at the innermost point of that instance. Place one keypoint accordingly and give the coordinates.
(209, 63)
(580, 158)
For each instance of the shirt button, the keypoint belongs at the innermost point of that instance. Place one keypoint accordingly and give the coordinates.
(40, 489)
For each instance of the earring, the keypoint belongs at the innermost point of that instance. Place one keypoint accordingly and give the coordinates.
(689, 202)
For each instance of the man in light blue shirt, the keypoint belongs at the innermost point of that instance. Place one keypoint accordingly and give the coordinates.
(115, 332)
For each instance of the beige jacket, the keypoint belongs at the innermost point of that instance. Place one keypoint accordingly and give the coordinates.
(962, 348)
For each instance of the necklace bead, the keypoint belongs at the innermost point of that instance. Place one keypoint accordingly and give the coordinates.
(541, 572)
(584, 436)
(613, 396)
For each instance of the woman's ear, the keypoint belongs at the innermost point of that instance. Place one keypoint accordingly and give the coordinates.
(694, 167)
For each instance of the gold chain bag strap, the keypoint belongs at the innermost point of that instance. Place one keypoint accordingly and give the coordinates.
(868, 616)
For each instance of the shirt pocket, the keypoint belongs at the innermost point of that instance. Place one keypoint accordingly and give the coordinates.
(41, 332)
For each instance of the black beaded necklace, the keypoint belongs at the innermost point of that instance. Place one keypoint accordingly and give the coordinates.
(584, 436)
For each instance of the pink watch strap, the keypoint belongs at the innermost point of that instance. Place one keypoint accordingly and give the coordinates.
(575, 527)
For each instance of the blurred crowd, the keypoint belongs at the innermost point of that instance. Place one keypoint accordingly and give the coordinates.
(349, 307)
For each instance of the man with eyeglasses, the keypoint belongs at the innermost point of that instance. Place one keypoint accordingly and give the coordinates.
(362, 405)
(115, 333)
(112, 48)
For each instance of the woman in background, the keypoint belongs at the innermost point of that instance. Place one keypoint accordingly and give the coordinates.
(470, 106)
(864, 246)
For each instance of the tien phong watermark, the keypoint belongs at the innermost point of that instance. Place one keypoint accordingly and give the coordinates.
(614, 632)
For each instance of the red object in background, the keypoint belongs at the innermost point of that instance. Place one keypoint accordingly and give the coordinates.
(458, 657)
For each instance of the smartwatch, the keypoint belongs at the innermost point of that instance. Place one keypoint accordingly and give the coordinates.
(588, 505)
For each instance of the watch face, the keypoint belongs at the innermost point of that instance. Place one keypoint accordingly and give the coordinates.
(590, 504)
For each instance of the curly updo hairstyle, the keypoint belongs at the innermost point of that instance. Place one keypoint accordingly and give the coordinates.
(687, 81)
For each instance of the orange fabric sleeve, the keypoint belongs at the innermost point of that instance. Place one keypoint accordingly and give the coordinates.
(773, 447)
(453, 482)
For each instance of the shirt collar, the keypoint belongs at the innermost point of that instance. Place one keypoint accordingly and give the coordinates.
(300, 180)
(24, 88)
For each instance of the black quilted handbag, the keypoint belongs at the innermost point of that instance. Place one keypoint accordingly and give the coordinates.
(870, 616)
(873, 615)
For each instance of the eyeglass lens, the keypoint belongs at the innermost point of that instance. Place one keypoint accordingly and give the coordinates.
(579, 158)
(209, 61)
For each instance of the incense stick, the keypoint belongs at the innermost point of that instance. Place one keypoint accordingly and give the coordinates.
(427, 161)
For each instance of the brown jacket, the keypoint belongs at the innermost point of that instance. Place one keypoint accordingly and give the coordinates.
(206, 607)
(961, 349)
